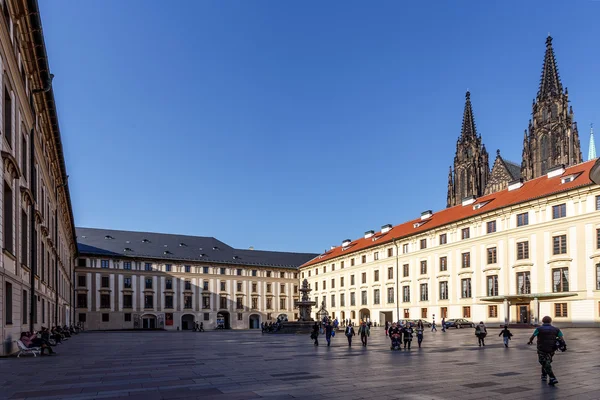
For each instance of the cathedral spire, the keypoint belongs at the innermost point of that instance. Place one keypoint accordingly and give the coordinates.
(592, 152)
(550, 84)
(468, 124)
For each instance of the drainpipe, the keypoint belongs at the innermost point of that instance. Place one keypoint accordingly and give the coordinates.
(397, 284)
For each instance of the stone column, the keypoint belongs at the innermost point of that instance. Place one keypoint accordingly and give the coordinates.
(506, 311)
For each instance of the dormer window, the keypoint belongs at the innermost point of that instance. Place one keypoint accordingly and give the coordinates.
(108, 237)
(145, 241)
(215, 248)
(569, 178)
(127, 249)
(167, 252)
(182, 244)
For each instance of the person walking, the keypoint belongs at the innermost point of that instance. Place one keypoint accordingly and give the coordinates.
(444, 324)
(420, 330)
(201, 326)
(547, 336)
(481, 332)
(387, 326)
(506, 335)
(407, 333)
(328, 332)
(364, 333)
(315, 334)
(433, 327)
(349, 333)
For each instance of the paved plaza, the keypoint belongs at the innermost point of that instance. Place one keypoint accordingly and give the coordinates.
(248, 365)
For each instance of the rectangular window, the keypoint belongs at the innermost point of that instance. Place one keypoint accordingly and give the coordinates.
(341, 264)
(207, 316)
(187, 268)
(24, 155)
(105, 301)
(465, 285)
(352, 299)
(405, 270)
(376, 299)
(223, 302)
(81, 300)
(363, 298)
(205, 270)
(24, 308)
(560, 280)
(492, 311)
(376, 276)
(282, 303)
(405, 248)
(598, 238)
(406, 313)
(491, 255)
(363, 259)
(254, 272)
(239, 286)
(127, 265)
(423, 267)
(406, 294)
(423, 244)
(465, 233)
(559, 244)
(424, 313)
(342, 300)
(222, 287)
(43, 311)
(105, 282)
(148, 266)
(222, 272)
(390, 272)
(364, 277)
(424, 292)
(443, 239)
(148, 283)
(255, 303)
(324, 285)
(332, 283)
(127, 317)
(169, 284)
(82, 317)
(523, 283)
(24, 238)
(8, 228)
(390, 252)
(254, 287)
(522, 250)
(491, 226)
(239, 303)
(81, 281)
(205, 302)
(467, 312)
(560, 310)
(352, 262)
(341, 281)
(239, 271)
(351, 280)
(127, 283)
(444, 290)
(390, 295)
(7, 116)
(523, 219)
(127, 301)
(269, 303)
(597, 203)
(443, 264)
(105, 317)
(187, 285)
(492, 285)
(376, 256)
(333, 300)
(559, 211)
(8, 303)
(597, 276)
(168, 301)
(466, 260)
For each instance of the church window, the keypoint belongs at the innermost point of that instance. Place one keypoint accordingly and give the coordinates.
(554, 111)
(545, 114)
(544, 153)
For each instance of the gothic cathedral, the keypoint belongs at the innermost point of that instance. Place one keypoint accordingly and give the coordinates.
(551, 140)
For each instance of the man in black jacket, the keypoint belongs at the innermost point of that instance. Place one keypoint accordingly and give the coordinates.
(546, 346)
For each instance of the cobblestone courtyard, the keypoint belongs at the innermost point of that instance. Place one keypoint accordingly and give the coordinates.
(246, 365)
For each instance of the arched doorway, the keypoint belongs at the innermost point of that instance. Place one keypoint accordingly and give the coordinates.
(364, 315)
(148, 321)
(187, 322)
(254, 321)
(223, 320)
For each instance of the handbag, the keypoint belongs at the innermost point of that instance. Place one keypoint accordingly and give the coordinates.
(332, 333)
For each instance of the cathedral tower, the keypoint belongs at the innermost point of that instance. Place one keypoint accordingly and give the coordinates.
(471, 164)
(552, 138)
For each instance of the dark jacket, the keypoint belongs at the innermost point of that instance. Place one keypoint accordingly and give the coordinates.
(328, 329)
(546, 338)
(505, 333)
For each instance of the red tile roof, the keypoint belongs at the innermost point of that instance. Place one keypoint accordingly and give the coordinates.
(533, 189)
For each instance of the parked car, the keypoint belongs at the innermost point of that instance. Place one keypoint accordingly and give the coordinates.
(459, 323)
(425, 322)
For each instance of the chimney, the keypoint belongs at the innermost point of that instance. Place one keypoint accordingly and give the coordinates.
(426, 214)
(514, 185)
(386, 228)
(468, 200)
(369, 234)
(346, 243)
(556, 171)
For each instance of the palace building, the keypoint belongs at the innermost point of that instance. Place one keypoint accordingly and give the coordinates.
(37, 230)
(514, 243)
(138, 280)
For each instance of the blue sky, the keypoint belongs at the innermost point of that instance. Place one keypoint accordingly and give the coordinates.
(294, 125)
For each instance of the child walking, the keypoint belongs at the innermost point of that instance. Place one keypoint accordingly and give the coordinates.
(506, 335)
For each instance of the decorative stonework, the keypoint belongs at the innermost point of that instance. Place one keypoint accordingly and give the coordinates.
(10, 164)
